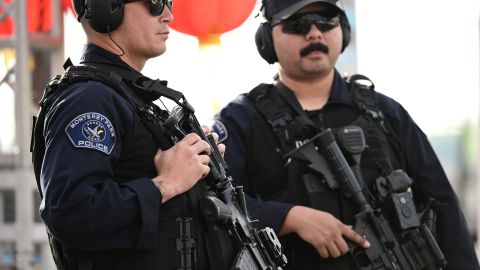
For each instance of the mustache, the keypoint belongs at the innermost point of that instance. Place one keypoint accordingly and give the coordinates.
(314, 47)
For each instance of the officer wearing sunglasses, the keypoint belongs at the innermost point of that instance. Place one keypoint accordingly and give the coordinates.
(305, 38)
(116, 193)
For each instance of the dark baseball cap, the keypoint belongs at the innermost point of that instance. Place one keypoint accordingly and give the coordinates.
(279, 10)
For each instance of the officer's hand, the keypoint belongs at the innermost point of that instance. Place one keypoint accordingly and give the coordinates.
(221, 147)
(180, 167)
(322, 230)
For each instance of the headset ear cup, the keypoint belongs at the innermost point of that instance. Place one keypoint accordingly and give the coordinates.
(264, 42)
(104, 15)
(346, 31)
(79, 7)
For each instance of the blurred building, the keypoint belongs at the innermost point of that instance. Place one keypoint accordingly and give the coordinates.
(31, 50)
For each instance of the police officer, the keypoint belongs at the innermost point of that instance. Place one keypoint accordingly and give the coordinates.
(306, 37)
(116, 193)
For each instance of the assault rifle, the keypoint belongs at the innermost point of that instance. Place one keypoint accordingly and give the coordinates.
(399, 238)
(225, 205)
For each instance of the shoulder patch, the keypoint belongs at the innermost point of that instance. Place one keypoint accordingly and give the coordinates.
(219, 128)
(93, 131)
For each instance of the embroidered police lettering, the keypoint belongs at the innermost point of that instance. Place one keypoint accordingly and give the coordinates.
(300, 143)
(93, 145)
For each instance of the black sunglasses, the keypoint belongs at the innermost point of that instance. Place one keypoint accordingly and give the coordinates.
(300, 24)
(156, 6)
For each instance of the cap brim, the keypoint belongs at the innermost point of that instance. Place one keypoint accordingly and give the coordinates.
(289, 11)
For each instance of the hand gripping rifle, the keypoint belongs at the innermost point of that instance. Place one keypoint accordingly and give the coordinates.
(398, 238)
(225, 204)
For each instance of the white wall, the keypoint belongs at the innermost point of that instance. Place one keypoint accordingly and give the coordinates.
(425, 54)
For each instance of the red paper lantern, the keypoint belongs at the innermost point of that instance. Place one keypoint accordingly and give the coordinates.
(208, 19)
(6, 25)
(39, 16)
(67, 6)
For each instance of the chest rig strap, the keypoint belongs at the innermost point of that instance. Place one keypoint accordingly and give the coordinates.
(283, 113)
(364, 97)
(275, 111)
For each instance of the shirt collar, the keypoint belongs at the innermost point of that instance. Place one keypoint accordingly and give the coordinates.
(95, 54)
(340, 92)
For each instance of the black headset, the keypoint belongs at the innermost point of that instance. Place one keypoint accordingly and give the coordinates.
(103, 15)
(264, 40)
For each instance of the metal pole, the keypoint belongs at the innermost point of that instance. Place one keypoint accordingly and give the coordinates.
(477, 182)
(23, 114)
(23, 87)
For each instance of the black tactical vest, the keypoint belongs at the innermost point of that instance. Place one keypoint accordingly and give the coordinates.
(183, 240)
(293, 126)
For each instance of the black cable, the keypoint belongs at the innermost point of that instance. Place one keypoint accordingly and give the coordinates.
(110, 36)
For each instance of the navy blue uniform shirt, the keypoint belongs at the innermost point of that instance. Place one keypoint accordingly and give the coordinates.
(254, 161)
(85, 205)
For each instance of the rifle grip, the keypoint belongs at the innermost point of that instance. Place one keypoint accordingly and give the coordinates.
(216, 210)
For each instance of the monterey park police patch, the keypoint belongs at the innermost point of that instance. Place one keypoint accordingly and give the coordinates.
(92, 130)
(219, 128)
